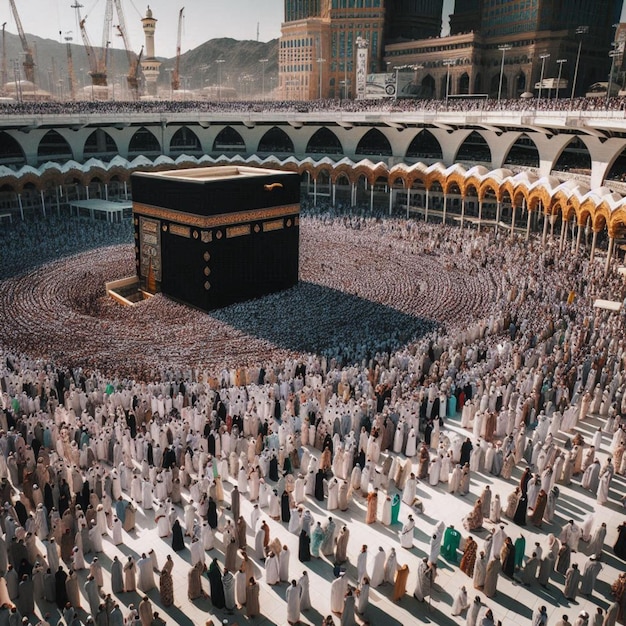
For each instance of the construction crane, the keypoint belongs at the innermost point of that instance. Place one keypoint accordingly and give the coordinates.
(135, 75)
(133, 66)
(176, 72)
(70, 65)
(98, 60)
(29, 63)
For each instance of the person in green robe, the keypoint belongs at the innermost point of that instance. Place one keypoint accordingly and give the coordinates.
(316, 540)
(520, 548)
(395, 508)
(451, 541)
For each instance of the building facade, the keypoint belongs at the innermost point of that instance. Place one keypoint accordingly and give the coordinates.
(318, 40)
(494, 48)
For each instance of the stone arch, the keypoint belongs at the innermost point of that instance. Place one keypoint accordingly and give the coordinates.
(229, 140)
(601, 217)
(569, 210)
(520, 197)
(478, 83)
(276, 140)
(428, 86)
(397, 181)
(361, 187)
(8, 186)
(537, 195)
(523, 152)
(474, 148)
(494, 85)
(574, 157)
(343, 188)
(471, 198)
(586, 212)
(455, 178)
(185, 141)
(618, 220)
(617, 169)
(489, 194)
(520, 84)
(373, 143)
(343, 170)
(445, 86)
(425, 146)
(454, 195)
(11, 153)
(322, 176)
(435, 192)
(463, 84)
(100, 145)
(489, 188)
(324, 141)
(54, 147)
(557, 203)
(143, 142)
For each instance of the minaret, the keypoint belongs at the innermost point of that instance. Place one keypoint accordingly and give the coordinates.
(149, 64)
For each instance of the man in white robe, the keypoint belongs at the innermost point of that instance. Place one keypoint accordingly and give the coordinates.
(338, 589)
(361, 564)
(424, 580)
(497, 542)
(408, 493)
(293, 603)
(145, 574)
(406, 535)
(272, 569)
(283, 564)
(570, 535)
(435, 543)
(378, 569)
(333, 495)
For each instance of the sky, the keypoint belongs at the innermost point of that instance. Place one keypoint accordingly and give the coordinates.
(204, 20)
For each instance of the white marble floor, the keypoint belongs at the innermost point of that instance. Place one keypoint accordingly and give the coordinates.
(513, 603)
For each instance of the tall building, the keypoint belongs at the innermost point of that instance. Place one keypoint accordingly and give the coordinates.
(349, 20)
(318, 40)
(301, 9)
(412, 19)
(523, 16)
(149, 64)
(466, 16)
(505, 48)
(495, 46)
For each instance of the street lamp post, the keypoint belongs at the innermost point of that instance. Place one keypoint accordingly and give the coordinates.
(219, 78)
(504, 47)
(581, 30)
(612, 54)
(448, 63)
(263, 63)
(319, 69)
(558, 80)
(543, 58)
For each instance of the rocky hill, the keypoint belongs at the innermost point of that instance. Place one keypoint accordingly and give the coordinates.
(241, 69)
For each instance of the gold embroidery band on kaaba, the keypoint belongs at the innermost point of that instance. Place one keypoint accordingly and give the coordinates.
(212, 221)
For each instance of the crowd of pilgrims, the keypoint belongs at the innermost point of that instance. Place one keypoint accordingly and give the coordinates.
(506, 396)
(108, 107)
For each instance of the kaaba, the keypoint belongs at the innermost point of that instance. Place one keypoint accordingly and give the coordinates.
(213, 236)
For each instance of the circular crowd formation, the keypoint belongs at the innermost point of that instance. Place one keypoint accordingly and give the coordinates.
(365, 286)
